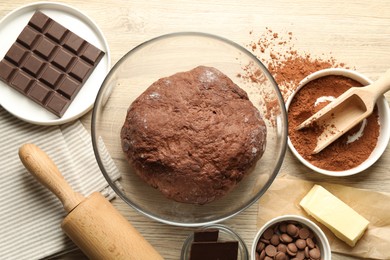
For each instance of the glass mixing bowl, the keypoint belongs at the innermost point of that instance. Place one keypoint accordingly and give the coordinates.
(164, 56)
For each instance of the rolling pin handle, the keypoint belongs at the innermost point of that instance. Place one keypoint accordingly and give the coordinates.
(39, 164)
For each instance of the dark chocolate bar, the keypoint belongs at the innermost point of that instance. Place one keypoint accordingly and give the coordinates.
(49, 63)
(206, 235)
(214, 250)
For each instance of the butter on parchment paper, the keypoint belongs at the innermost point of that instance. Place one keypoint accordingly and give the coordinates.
(341, 219)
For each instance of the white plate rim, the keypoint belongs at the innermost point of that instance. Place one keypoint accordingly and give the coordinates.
(85, 99)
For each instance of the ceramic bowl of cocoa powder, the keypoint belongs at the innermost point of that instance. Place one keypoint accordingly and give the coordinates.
(353, 152)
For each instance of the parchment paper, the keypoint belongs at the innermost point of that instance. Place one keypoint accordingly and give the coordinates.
(285, 193)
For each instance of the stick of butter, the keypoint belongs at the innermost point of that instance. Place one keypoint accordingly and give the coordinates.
(341, 219)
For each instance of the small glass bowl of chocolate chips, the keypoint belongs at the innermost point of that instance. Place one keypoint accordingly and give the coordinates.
(290, 237)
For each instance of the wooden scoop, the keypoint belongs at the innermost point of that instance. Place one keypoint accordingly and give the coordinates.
(346, 111)
(93, 224)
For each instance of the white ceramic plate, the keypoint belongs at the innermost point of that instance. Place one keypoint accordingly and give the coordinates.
(20, 106)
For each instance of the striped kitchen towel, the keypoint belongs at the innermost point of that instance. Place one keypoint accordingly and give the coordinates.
(30, 214)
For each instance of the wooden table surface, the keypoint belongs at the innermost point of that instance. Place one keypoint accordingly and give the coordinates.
(355, 32)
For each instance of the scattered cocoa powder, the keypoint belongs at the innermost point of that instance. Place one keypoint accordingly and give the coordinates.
(286, 64)
(340, 155)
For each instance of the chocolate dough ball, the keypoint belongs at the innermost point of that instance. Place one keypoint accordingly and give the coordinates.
(193, 135)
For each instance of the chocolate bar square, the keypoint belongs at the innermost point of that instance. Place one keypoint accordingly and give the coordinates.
(207, 235)
(227, 250)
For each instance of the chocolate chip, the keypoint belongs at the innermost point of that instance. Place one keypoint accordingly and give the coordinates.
(304, 233)
(310, 242)
(282, 248)
(292, 249)
(270, 250)
(262, 255)
(286, 238)
(260, 246)
(300, 255)
(292, 230)
(275, 240)
(315, 253)
(307, 252)
(280, 256)
(265, 241)
(300, 243)
(268, 233)
(276, 228)
(283, 227)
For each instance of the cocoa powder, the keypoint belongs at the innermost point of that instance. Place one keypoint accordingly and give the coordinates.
(288, 66)
(340, 155)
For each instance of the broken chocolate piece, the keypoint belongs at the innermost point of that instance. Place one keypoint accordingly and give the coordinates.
(227, 250)
(207, 235)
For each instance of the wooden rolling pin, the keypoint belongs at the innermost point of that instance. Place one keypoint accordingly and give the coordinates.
(93, 224)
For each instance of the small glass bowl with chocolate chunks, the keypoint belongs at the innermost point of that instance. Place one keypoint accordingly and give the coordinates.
(214, 242)
(290, 237)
